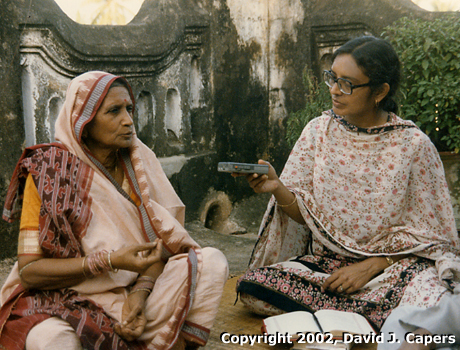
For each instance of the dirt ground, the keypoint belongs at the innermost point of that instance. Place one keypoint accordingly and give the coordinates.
(5, 267)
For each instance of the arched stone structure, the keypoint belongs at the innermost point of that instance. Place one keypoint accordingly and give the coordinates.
(232, 70)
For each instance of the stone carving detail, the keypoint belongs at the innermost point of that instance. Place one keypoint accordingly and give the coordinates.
(329, 38)
(144, 117)
(196, 83)
(43, 92)
(54, 107)
(164, 70)
(215, 80)
(173, 116)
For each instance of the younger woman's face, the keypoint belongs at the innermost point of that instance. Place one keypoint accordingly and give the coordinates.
(360, 103)
(112, 126)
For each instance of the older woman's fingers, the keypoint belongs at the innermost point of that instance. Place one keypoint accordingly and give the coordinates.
(156, 253)
(131, 316)
(159, 244)
(118, 328)
(126, 334)
(129, 332)
(146, 246)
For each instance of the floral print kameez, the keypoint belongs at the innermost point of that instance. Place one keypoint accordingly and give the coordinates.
(362, 193)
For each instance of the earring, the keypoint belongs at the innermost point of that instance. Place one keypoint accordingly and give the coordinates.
(377, 103)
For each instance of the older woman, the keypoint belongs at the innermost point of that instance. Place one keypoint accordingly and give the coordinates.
(361, 212)
(104, 261)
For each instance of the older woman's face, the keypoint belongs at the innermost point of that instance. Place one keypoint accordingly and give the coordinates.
(112, 126)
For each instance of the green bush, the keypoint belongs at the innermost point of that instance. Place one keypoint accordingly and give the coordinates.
(430, 55)
(318, 100)
(430, 86)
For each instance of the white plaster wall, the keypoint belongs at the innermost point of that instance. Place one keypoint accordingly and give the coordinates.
(173, 112)
(53, 108)
(172, 80)
(196, 84)
(250, 18)
(29, 101)
(146, 107)
(265, 22)
(37, 75)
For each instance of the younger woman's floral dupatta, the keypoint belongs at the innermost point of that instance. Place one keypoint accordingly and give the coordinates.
(84, 210)
(362, 193)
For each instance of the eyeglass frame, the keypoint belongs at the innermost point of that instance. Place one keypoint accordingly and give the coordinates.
(336, 81)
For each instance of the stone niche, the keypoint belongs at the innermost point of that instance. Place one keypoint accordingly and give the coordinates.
(163, 52)
(214, 80)
(160, 53)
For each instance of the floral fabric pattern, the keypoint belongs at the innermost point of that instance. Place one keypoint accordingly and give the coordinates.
(361, 194)
(379, 191)
(295, 286)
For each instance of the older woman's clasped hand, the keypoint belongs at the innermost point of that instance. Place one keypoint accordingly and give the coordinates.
(137, 258)
(133, 316)
(140, 258)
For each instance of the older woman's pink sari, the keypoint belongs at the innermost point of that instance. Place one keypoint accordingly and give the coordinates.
(84, 210)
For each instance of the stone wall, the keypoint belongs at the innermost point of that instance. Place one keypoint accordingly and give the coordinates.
(12, 130)
(214, 80)
(259, 52)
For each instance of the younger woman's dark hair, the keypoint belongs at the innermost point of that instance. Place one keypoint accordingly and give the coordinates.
(380, 63)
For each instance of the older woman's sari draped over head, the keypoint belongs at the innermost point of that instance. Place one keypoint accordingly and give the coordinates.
(363, 193)
(85, 210)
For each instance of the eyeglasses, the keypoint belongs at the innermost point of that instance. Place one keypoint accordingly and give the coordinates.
(345, 85)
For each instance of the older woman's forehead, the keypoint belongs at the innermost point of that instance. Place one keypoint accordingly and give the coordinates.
(117, 94)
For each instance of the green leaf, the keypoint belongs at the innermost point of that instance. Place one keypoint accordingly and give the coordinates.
(425, 64)
(429, 51)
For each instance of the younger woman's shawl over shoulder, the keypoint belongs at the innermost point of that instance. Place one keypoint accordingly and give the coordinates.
(363, 192)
